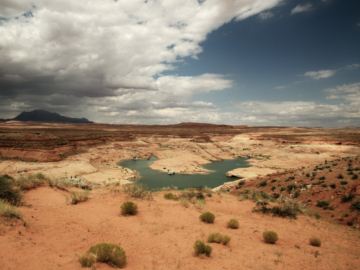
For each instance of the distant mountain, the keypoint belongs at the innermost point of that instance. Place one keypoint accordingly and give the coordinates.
(45, 116)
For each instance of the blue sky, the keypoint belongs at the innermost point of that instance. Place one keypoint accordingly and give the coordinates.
(254, 62)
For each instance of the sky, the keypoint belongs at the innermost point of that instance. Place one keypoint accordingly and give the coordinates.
(253, 62)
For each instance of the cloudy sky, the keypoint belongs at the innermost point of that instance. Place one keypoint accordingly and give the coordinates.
(256, 62)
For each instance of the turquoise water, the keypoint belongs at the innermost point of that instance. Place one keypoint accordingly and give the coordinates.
(154, 179)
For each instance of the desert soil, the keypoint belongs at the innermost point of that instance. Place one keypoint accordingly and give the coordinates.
(162, 235)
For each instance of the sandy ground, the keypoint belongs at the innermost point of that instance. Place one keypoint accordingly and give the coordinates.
(162, 235)
(182, 155)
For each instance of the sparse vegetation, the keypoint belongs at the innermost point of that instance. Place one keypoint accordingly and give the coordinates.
(207, 217)
(314, 241)
(31, 181)
(129, 209)
(323, 204)
(79, 196)
(233, 224)
(137, 191)
(8, 191)
(218, 238)
(270, 237)
(356, 205)
(171, 196)
(200, 248)
(9, 211)
(110, 254)
(282, 209)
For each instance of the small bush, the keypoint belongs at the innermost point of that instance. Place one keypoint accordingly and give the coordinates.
(31, 181)
(137, 191)
(354, 177)
(347, 198)
(200, 248)
(219, 238)
(77, 197)
(323, 204)
(233, 224)
(8, 191)
(171, 196)
(343, 182)
(270, 237)
(207, 217)
(129, 209)
(356, 205)
(340, 176)
(9, 211)
(314, 241)
(263, 183)
(283, 209)
(110, 254)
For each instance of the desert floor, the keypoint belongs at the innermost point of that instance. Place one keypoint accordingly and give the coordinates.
(162, 235)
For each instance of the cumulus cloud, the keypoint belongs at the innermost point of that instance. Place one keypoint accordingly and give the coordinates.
(320, 74)
(81, 57)
(301, 8)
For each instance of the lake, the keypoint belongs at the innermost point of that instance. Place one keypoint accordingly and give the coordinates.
(154, 179)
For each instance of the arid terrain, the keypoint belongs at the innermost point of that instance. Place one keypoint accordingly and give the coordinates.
(318, 169)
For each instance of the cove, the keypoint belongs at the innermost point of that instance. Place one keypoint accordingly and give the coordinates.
(155, 180)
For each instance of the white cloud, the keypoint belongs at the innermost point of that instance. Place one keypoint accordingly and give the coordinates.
(67, 52)
(320, 74)
(266, 15)
(300, 8)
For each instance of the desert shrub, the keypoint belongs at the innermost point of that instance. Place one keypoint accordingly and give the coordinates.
(8, 191)
(314, 241)
(340, 176)
(218, 238)
(270, 237)
(356, 205)
(323, 204)
(291, 187)
(171, 196)
(207, 217)
(77, 197)
(283, 209)
(129, 209)
(343, 182)
(31, 181)
(322, 178)
(347, 197)
(137, 191)
(193, 194)
(110, 254)
(263, 183)
(9, 211)
(354, 177)
(333, 186)
(200, 248)
(282, 188)
(233, 224)
(273, 188)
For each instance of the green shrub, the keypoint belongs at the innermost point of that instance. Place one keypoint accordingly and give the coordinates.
(323, 204)
(283, 209)
(218, 238)
(347, 198)
(110, 254)
(171, 196)
(200, 248)
(356, 205)
(207, 217)
(8, 191)
(270, 237)
(9, 211)
(263, 183)
(233, 224)
(129, 209)
(314, 241)
(137, 191)
(77, 197)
